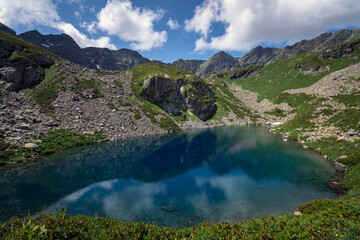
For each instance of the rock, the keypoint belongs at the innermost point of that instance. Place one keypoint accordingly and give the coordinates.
(297, 213)
(285, 139)
(168, 208)
(179, 95)
(24, 126)
(352, 132)
(340, 167)
(275, 124)
(305, 147)
(30, 145)
(335, 186)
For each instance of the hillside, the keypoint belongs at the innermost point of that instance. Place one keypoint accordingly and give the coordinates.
(221, 61)
(90, 57)
(49, 104)
(41, 92)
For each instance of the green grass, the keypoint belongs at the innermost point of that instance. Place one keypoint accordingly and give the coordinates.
(277, 112)
(24, 44)
(346, 119)
(118, 83)
(83, 84)
(321, 219)
(143, 71)
(154, 112)
(282, 75)
(112, 106)
(54, 141)
(226, 101)
(350, 100)
(137, 114)
(47, 91)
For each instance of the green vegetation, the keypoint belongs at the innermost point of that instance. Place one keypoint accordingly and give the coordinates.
(137, 114)
(321, 219)
(346, 119)
(226, 101)
(29, 46)
(118, 83)
(350, 100)
(158, 117)
(84, 84)
(112, 106)
(277, 112)
(54, 141)
(47, 91)
(287, 74)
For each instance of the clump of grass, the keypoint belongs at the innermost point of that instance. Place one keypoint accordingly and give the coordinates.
(83, 84)
(277, 112)
(118, 83)
(137, 114)
(47, 92)
(112, 106)
(350, 100)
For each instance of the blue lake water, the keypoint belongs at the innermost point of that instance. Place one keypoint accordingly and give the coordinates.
(218, 174)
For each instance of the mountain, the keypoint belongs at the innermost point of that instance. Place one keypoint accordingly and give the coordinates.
(91, 57)
(221, 61)
(7, 29)
(190, 65)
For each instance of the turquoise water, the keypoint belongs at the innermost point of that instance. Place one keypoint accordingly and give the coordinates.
(219, 174)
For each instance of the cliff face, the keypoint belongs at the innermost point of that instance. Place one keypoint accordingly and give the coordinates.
(19, 67)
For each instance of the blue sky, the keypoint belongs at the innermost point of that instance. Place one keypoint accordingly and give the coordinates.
(189, 29)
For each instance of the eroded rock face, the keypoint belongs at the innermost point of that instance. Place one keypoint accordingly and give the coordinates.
(165, 92)
(20, 75)
(175, 96)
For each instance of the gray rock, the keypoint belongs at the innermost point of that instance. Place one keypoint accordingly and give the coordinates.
(30, 145)
(340, 167)
(352, 132)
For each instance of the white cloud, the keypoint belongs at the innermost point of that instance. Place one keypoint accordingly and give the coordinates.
(20, 12)
(82, 39)
(249, 23)
(173, 24)
(132, 24)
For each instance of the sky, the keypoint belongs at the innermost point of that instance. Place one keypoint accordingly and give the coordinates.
(189, 29)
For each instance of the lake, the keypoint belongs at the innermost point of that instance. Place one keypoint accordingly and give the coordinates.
(214, 175)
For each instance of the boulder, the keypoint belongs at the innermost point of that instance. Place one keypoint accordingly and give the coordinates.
(30, 145)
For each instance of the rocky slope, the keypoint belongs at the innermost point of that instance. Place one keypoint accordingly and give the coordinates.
(91, 57)
(221, 61)
(40, 91)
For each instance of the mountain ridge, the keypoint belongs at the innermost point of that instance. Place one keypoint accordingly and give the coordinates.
(90, 57)
(262, 56)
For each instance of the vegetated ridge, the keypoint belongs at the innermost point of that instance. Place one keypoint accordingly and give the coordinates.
(222, 61)
(313, 97)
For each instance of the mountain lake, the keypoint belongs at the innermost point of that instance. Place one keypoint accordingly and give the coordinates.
(175, 180)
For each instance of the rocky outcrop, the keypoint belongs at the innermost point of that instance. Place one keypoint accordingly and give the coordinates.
(245, 72)
(20, 68)
(179, 95)
(165, 92)
(20, 75)
(190, 65)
